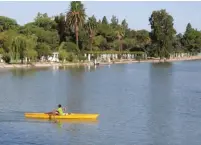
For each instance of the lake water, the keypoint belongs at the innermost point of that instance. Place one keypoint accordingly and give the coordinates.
(139, 104)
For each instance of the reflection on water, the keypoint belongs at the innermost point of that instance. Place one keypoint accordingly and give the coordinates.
(74, 70)
(22, 72)
(160, 103)
(64, 121)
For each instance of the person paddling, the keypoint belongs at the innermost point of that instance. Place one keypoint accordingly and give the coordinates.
(60, 111)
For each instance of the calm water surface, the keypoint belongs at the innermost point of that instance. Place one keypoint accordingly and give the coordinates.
(139, 104)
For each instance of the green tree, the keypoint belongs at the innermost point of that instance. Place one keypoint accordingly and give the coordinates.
(124, 24)
(19, 47)
(42, 20)
(114, 21)
(178, 43)
(104, 20)
(43, 49)
(62, 52)
(99, 42)
(63, 55)
(107, 32)
(91, 26)
(31, 54)
(129, 43)
(71, 47)
(76, 17)
(51, 38)
(162, 32)
(120, 32)
(31, 44)
(192, 39)
(6, 39)
(7, 23)
(62, 29)
(143, 40)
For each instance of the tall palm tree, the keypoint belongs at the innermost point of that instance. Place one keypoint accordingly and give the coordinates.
(76, 17)
(91, 25)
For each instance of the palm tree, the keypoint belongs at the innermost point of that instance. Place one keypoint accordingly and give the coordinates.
(91, 25)
(76, 17)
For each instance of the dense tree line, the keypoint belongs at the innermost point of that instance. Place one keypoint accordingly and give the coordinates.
(74, 33)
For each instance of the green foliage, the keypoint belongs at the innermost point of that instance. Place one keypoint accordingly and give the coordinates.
(91, 27)
(115, 52)
(63, 54)
(99, 40)
(61, 27)
(114, 21)
(106, 31)
(31, 54)
(19, 47)
(124, 24)
(192, 39)
(45, 22)
(104, 21)
(70, 47)
(74, 33)
(7, 23)
(76, 17)
(6, 38)
(1, 51)
(71, 57)
(6, 57)
(115, 44)
(49, 37)
(43, 49)
(81, 57)
(162, 32)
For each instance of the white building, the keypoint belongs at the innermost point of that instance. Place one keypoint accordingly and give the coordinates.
(52, 58)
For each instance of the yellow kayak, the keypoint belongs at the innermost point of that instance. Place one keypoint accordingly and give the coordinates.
(66, 116)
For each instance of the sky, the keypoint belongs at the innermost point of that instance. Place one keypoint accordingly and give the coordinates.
(136, 13)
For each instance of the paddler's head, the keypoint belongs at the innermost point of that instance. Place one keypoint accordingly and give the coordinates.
(59, 105)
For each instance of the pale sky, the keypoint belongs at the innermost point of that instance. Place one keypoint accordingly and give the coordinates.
(136, 13)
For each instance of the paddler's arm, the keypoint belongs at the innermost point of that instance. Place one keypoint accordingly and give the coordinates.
(64, 108)
(55, 110)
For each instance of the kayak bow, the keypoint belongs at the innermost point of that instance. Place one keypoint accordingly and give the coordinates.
(67, 116)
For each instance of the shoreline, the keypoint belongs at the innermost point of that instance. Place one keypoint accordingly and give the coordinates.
(50, 64)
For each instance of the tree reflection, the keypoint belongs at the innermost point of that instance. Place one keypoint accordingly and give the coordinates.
(76, 89)
(22, 72)
(160, 100)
